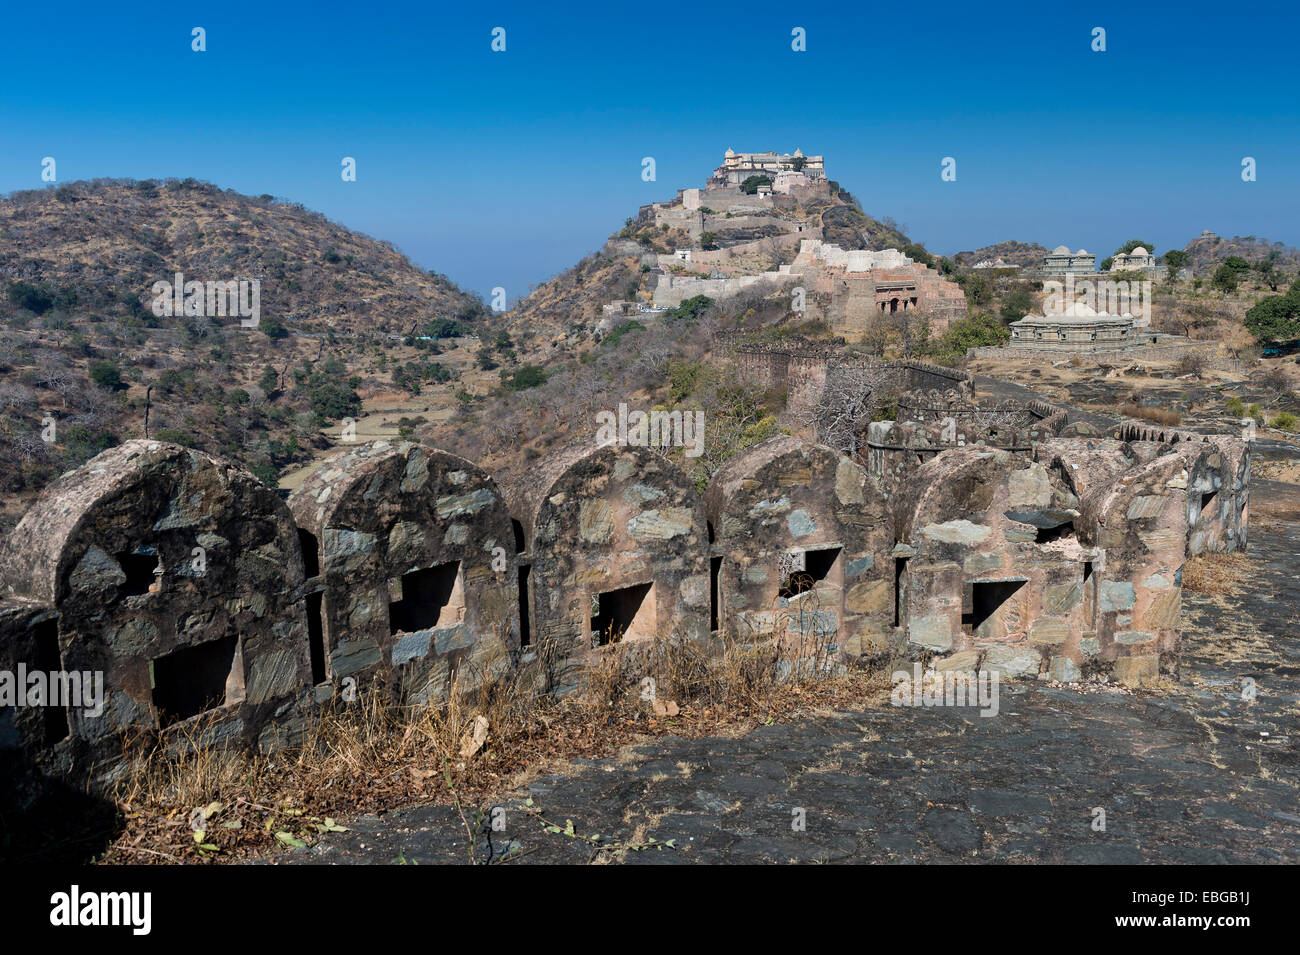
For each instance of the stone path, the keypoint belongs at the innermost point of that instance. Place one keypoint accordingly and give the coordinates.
(1193, 774)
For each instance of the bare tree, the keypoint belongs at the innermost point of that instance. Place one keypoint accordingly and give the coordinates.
(849, 402)
(652, 359)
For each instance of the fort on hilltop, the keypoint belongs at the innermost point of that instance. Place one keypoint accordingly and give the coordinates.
(852, 290)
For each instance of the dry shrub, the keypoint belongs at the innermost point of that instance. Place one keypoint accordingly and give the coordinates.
(1165, 416)
(374, 754)
(1217, 574)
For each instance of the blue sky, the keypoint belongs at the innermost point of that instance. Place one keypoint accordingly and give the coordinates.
(503, 169)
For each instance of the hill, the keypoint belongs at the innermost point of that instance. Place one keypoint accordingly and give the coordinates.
(1027, 255)
(569, 305)
(103, 243)
(1208, 251)
(85, 363)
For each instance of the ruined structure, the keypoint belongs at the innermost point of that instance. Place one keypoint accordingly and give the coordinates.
(174, 575)
(412, 564)
(850, 290)
(752, 237)
(1080, 330)
(1138, 259)
(796, 534)
(1061, 261)
(612, 547)
(981, 538)
(800, 367)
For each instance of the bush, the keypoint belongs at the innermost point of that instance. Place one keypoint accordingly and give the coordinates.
(273, 329)
(445, 328)
(1192, 364)
(1275, 318)
(690, 310)
(1017, 304)
(683, 377)
(106, 374)
(625, 328)
(1284, 421)
(31, 297)
(528, 376)
(975, 331)
(1224, 278)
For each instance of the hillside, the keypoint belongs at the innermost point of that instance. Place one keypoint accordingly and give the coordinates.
(1027, 255)
(569, 305)
(1208, 252)
(85, 363)
(102, 243)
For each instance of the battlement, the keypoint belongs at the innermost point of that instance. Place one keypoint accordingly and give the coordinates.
(214, 610)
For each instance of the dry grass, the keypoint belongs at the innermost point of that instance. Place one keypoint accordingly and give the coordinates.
(374, 755)
(1217, 574)
(1165, 416)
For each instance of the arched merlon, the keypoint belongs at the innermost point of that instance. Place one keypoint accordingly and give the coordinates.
(618, 548)
(799, 530)
(176, 575)
(416, 561)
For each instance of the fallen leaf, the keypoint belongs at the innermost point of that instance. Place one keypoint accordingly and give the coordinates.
(473, 741)
(666, 708)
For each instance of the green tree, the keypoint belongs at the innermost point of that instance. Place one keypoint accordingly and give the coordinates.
(34, 298)
(1132, 244)
(975, 331)
(917, 253)
(690, 310)
(751, 184)
(445, 328)
(106, 374)
(1224, 278)
(1017, 304)
(1276, 318)
(1175, 259)
(528, 376)
(273, 328)
(978, 290)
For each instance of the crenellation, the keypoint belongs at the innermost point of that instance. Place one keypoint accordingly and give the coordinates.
(983, 536)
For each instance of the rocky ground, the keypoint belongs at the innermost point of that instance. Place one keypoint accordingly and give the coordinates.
(1187, 773)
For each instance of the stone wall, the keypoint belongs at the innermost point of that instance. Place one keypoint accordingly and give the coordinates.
(788, 501)
(413, 563)
(213, 611)
(1161, 350)
(180, 579)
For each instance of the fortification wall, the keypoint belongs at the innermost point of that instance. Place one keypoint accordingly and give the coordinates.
(213, 612)
(1160, 351)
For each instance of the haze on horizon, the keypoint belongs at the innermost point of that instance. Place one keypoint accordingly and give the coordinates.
(504, 168)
